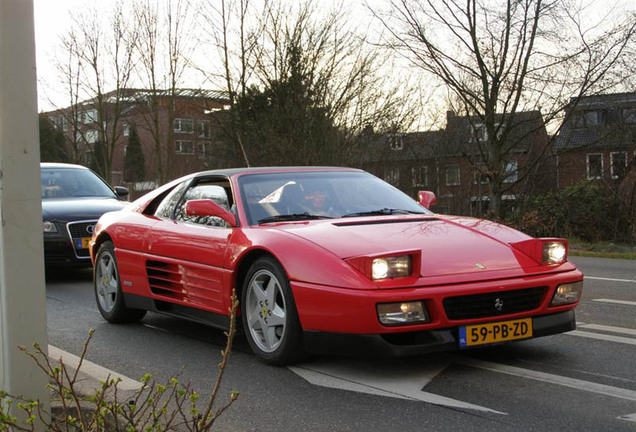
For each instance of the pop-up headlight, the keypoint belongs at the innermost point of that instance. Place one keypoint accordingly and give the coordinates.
(545, 251)
(554, 252)
(391, 267)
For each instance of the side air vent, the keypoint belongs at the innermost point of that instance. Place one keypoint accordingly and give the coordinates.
(165, 279)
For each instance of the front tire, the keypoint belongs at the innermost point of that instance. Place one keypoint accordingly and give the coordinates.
(269, 314)
(108, 293)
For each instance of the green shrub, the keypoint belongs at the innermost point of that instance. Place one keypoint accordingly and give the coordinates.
(591, 212)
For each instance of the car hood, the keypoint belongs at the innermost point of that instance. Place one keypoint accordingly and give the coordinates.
(448, 245)
(62, 209)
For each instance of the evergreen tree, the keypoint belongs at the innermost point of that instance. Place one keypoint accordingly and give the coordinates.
(134, 162)
(98, 159)
(52, 142)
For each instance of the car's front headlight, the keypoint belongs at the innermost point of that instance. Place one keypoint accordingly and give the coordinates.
(554, 252)
(545, 251)
(49, 227)
(391, 267)
(386, 267)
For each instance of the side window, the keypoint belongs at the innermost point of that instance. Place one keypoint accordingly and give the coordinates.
(215, 192)
(165, 209)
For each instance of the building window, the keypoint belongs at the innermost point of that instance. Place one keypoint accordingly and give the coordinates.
(183, 147)
(618, 164)
(629, 116)
(395, 142)
(204, 148)
(452, 175)
(510, 174)
(88, 157)
(183, 125)
(480, 174)
(64, 123)
(419, 176)
(204, 129)
(126, 128)
(393, 176)
(480, 133)
(587, 119)
(91, 136)
(594, 166)
(91, 116)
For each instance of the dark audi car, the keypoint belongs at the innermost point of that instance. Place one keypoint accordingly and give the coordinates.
(73, 198)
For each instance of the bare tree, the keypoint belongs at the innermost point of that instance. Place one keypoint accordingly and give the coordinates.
(96, 72)
(323, 64)
(164, 46)
(501, 58)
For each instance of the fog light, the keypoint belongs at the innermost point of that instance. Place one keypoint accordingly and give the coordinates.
(567, 293)
(390, 267)
(554, 252)
(402, 313)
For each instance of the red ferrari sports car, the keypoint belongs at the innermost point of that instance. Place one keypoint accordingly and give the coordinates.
(328, 260)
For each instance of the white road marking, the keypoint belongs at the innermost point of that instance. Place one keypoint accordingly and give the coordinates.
(628, 417)
(620, 330)
(396, 379)
(93, 370)
(621, 302)
(587, 386)
(610, 279)
(604, 337)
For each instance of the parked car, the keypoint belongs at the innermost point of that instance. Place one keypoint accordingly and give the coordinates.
(328, 260)
(73, 198)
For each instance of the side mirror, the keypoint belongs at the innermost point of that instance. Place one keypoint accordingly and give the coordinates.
(121, 191)
(207, 207)
(426, 198)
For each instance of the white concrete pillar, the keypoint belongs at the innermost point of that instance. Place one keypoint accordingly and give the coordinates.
(22, 286)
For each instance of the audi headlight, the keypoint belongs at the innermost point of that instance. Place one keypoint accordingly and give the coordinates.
(391, 267)
(49, 227)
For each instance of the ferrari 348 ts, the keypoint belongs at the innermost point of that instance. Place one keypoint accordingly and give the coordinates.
(328, 260)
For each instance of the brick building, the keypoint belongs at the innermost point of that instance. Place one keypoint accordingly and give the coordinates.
(449, 162)
(597, 142)
(179, 130)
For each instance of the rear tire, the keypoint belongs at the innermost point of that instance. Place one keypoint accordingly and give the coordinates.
(108, 293)
(269, 315)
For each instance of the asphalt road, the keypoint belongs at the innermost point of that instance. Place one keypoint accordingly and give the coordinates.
(581, 381)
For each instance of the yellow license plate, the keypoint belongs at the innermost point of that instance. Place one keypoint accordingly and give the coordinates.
(488, 333)
(82, 243)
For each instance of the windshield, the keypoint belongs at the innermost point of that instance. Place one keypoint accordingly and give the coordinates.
(318, 195)
(73, 183)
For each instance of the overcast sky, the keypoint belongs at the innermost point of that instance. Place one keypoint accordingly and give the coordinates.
(53, 18)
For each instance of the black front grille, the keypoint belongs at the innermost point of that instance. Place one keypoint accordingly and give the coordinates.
(493, 304)
(79, 230)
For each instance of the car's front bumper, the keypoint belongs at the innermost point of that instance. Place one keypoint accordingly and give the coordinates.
(420, 342)
(345, 320)
(59, 250)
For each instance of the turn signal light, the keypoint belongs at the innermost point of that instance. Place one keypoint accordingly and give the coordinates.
(402, 313)
(567, 294)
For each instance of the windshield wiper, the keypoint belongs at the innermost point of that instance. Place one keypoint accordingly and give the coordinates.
(382, 212)
(292, 217)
